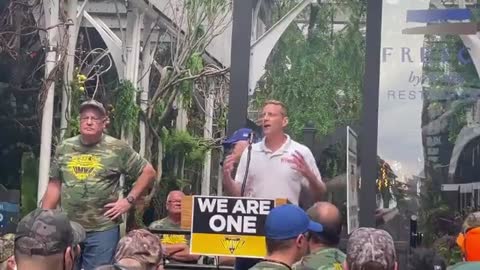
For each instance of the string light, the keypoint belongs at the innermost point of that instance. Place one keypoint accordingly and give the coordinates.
(383, 180)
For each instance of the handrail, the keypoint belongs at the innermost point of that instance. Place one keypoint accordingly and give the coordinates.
(170, 231)
(196, 266)
(186, 265)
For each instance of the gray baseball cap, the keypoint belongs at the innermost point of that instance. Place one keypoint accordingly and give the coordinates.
(93, 104)
(370, 245)
(45, 232)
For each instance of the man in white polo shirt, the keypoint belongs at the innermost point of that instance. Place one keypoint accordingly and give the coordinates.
(279, 166)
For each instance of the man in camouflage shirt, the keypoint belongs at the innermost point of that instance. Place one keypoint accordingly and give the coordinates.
(85, 179)
(324, 254)
(370, 248)
(176, 246)
(7, 260)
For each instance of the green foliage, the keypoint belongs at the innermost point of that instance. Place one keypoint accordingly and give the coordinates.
(29, 182)
(448, 249)
(206, 19)
(194, 66)
(321, 74)
(439, 223)
(182, 143)
(334, 161)
(456, 123)
(125, 109)
(205, 9)
(195, 63)
(449, 76)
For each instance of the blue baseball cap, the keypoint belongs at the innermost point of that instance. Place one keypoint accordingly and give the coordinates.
(289, 221)
(239, 135)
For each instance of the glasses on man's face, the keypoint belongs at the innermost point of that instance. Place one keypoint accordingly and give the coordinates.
(93, 119)
(174, 202)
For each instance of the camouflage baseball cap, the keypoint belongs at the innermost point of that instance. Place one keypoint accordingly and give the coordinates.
(93, 104)
(472, 221)
(46, 232)
(140, 245)
(6, 246)
(370, 245)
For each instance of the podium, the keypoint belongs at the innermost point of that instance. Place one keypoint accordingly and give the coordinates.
(227, 226)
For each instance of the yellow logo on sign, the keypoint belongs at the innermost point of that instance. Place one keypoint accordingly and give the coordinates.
(233, 243)
(84, 166)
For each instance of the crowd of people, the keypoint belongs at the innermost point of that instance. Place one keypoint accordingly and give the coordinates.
(46, 239)
(84, 232)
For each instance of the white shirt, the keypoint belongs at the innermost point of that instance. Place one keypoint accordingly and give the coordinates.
(271, 175)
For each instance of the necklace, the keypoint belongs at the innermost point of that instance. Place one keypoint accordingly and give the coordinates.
(278, 262)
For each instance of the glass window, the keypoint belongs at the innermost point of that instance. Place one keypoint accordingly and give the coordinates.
(429, 114)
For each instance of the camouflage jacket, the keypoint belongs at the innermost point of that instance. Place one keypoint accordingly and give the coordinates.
(168, 224)
(266, 265)
(323, 259)
(170, 239)
(90, 178)
(6, 246)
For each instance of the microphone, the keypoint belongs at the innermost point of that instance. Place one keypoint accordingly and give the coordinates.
(250, 138)
(249, 153)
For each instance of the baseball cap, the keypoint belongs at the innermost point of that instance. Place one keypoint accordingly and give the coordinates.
(93, 104)
(6, 246)
(370, 245)
(46, 232)
(287, 222)
(140, 245)
(239, 135)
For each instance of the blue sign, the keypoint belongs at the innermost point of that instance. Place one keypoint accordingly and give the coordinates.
(9, 211)
(438, 15)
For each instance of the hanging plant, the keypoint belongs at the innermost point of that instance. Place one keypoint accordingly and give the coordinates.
(77, 87)
(185, 144)
(194, 67)
(125, 109)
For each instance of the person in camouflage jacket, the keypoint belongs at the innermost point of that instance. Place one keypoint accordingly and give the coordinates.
(85, 178)
(47, 240)
(139, 249)
(370, 248)
(7, 260)
(324, 254)
(176, 246)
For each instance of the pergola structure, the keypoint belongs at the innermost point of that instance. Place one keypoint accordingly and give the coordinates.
(244, 47)
(125, 28)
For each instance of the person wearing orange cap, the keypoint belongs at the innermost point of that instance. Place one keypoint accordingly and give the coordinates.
(469, 242)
